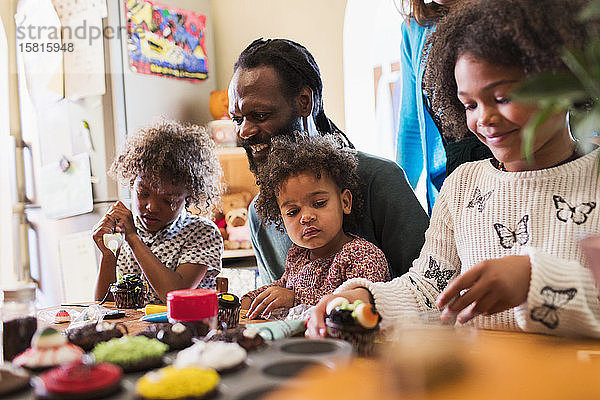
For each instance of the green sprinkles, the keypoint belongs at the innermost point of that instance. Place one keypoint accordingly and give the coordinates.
(129, 349)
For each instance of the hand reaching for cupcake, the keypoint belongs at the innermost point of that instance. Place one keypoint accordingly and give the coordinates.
(270, 299)
(315, 326)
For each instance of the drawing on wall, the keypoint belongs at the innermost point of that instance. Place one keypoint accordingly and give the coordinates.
(166, 41)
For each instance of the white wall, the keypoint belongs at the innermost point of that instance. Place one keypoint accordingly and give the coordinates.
(372, 37)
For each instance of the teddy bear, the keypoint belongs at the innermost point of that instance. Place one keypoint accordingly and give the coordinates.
(234, 222)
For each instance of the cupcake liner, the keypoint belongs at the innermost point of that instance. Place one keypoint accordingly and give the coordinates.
(128, 298)
(229, 316)
(363, 340)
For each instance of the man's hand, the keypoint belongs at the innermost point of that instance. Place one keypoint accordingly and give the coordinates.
(491, 286)
(272, 298)
(315, 327)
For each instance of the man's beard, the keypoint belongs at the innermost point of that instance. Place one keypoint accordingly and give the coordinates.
(288, 131)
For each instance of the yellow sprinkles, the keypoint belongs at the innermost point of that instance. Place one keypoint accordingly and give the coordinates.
(175, 383)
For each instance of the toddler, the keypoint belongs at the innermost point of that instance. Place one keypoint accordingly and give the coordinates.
(310, 186)
(168, 166)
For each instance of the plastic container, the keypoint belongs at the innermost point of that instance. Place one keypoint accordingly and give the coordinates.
(229, 309)
(193, 305)
(19, 322)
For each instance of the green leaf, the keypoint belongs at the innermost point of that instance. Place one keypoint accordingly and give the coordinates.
(576, 62)
(590, 11)
(547, 87)
(529, 131)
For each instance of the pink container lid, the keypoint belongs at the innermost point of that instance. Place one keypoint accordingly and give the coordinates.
(192, 304)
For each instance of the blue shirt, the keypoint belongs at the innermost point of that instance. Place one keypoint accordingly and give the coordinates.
(419, 141)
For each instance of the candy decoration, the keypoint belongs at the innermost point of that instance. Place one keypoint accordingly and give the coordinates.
(336, 302)
(62, 316)
(365, 316)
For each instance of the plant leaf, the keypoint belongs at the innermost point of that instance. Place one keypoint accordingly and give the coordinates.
(590, 11)
(547, 87)
(529, 131)
(576, 62)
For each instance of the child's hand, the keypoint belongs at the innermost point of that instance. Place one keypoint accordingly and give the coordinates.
(105, 225)
(272, 298)
(315, 326)
(491, 286)
(122, 219)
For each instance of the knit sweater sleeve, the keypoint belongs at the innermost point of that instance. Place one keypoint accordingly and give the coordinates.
(562, 298)
(413, 294)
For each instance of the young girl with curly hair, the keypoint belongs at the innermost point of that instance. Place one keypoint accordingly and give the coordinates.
(311, 187)
(168, 166)
(502, 249)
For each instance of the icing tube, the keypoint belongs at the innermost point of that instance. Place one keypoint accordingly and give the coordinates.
(113, 241)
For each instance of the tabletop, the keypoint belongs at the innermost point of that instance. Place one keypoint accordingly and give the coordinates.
(441, 363)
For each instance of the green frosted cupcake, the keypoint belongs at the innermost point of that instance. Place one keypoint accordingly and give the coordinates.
(132, 353)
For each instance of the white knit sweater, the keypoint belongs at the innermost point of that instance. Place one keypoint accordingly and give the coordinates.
(483, 213)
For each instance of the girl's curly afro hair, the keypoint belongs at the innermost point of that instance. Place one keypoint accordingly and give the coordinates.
(317, 155)
(515, 33)
(170, 151)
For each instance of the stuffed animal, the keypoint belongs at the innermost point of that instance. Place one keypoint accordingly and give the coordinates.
(237, 231)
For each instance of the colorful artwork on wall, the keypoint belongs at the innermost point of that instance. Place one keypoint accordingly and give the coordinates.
(166, 41)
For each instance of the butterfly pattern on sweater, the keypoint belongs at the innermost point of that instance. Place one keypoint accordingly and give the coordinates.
(441, 276)
(508, 237)
(479, 200)
(565, 211)
(427, 301)
(553, 299)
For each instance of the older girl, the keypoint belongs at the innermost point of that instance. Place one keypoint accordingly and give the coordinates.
(502, 246)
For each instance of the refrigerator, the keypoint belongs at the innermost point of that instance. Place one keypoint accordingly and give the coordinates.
(63, 258)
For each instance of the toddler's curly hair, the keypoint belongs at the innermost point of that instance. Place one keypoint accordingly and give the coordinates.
(525, 34)
(319, 156)
(174, 152)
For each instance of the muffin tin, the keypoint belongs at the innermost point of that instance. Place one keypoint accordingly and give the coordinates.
(265, 369)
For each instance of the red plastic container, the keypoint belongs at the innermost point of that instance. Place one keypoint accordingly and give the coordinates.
(193, 305)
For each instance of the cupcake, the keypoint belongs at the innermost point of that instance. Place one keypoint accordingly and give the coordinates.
(356, 323)
(177, 383)
(176, 336)
(78, 381)
(132, 353)
(229, 309)
(48, 349)
(248, 338)
(89, 335)
(128, 291)
(12, 379)
(224, 357)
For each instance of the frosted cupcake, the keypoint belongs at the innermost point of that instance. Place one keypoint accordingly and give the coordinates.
(224, 357)
(171, 383)
(128, 292)
(356, 323)
(48, 349)
(132, 353)
(78, 381)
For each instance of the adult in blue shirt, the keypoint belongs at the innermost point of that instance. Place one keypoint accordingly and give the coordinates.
(276, 89)
(420, 144)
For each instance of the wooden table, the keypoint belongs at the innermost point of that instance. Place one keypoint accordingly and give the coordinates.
(477, 364)
(132, 319)
(484, 365)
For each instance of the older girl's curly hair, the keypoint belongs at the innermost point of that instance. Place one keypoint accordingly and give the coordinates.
(513, 33)
(170, 151)
(318, 155)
